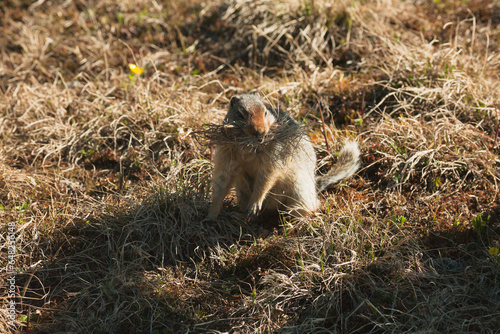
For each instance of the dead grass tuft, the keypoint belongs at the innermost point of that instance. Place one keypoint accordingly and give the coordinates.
(231, 135)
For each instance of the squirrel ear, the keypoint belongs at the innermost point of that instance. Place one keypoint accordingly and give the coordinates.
(234, 100)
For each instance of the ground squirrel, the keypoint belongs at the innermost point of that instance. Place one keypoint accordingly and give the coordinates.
(270, 161)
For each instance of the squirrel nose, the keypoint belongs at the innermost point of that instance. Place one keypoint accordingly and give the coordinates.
(259, 131)
(259, 126)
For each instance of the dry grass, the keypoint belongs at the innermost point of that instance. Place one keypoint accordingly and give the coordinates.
(108, 186)
(231, 135)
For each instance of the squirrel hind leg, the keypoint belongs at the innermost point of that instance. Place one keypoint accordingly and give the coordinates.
(302, 200)
(243, 196)
(243, 184)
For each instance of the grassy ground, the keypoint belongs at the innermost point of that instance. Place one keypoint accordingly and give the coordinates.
(107, 186)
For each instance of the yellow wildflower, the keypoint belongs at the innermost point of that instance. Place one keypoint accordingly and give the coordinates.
(135, 69)
(494, 251)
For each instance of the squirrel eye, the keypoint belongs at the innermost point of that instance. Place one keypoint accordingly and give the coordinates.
(240, 113)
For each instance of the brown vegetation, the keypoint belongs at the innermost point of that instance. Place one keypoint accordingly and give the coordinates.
(108, 187)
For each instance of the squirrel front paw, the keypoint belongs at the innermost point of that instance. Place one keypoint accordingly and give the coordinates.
(254, 209)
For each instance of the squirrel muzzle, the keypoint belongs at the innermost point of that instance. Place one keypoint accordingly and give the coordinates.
(260, 120)
(258, 123)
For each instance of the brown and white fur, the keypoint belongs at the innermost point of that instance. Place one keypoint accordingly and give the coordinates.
(276, 173)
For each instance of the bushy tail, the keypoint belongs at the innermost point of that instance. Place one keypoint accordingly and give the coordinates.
(348, 162)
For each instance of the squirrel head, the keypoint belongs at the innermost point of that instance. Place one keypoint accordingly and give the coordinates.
(249, 113)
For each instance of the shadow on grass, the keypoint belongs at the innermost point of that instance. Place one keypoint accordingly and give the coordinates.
(157, 268)
(130, 271)
(444, 282)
